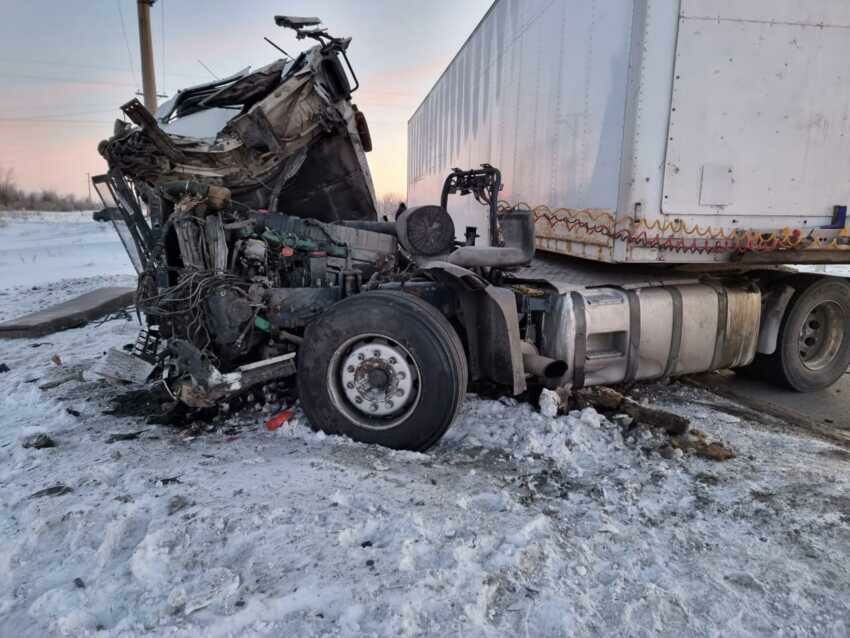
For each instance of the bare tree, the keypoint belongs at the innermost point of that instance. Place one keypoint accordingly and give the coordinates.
(388, 205)
(14, 198)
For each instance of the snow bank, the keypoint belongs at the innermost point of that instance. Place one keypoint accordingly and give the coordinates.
(515, 524)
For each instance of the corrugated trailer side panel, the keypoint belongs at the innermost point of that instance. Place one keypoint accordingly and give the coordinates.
(538, 90)
(692, 130)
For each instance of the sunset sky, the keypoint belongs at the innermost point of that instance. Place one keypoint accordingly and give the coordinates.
(65, 67)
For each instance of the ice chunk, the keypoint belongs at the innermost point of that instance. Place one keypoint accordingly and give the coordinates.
(549, 403)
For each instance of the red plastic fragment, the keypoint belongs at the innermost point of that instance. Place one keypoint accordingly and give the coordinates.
(278, 420)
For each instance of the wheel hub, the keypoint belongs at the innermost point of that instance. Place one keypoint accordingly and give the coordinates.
(821, 335)
(377, 379)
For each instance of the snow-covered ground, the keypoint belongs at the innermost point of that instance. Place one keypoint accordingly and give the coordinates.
(37, 248)
(515, 524)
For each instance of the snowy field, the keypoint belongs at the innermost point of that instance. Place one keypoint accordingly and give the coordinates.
(514, 525)
(37, 248)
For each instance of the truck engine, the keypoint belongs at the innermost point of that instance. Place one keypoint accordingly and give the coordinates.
(228, 285)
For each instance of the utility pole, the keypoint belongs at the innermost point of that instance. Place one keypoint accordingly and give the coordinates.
(146, 49)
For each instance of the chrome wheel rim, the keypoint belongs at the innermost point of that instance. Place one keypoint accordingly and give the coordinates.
(374, 381)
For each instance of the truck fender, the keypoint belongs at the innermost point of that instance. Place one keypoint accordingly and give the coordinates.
(776, 302)
(490, 321)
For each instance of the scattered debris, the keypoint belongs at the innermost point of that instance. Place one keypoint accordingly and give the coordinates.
(696, 441)
(72, 412)
(56, 490)
(608, 399)
(177, 503)
(122, 367)
(279, 419)
(599, 397)
(79, 583)
(669, 422)
(56, 359)
(3, 367)
(124, 436)
(38, 441)
(76, 375)
(170, 480)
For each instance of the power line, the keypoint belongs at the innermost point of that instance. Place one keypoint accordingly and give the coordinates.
(48, 78)
(80, 65)
(33, 120)
(126, 41)
(50, 116)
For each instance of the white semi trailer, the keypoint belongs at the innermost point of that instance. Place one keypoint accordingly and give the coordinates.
(693, 145)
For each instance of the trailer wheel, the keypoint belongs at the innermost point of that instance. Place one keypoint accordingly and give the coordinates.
(813, 345)
(382, 367)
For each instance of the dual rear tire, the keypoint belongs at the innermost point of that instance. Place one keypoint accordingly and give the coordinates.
(813, 345)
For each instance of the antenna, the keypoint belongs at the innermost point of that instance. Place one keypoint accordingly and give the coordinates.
(208, 69)
(278, 48)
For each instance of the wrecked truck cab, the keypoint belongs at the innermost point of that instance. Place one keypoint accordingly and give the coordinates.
(261, 260)
(284, 136)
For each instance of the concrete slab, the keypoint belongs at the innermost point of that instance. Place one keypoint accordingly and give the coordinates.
(69, 314)
(826, 412)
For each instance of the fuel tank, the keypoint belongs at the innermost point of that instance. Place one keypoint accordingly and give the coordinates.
(619, 335)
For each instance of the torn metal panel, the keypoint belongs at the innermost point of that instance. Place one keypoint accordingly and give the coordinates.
(284, 137)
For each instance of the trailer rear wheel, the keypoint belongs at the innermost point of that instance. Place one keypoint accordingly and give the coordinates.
(813, 346)
(382, 367)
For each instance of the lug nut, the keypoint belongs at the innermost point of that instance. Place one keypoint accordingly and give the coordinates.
(376, 353)
(358, 400)
(349, 385)
(390, 404)
(393, 361)
(360, 356)
(399, 392)
(374, 407)
(401, 375)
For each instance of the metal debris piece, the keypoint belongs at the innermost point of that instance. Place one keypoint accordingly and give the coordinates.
(38, 441)
(124, 436)
(56, 490)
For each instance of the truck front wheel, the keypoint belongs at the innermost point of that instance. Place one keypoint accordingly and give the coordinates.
(813, 346)
(382, 367)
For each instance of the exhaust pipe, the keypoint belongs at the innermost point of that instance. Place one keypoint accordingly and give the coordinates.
(540, 366)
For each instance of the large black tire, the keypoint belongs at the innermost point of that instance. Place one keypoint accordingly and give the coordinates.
(813, 345)
(401, 327)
